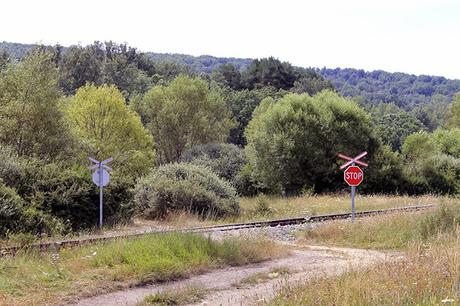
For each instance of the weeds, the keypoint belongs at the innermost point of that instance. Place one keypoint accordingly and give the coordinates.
(427, 274)
(178, 296)
(388, 232)
(263, 276)
(30, 279)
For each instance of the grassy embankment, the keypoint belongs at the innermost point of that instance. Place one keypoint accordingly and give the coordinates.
(31, 279)
(253, 208)
(428, 273)
(273, 207)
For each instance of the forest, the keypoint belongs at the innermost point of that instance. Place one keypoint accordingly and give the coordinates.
(197, 133)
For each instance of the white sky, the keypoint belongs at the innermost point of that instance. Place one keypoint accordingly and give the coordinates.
(414, 36)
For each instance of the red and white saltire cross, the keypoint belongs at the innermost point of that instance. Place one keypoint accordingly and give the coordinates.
(353, 160)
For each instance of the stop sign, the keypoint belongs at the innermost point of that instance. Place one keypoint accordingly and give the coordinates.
(353, 176)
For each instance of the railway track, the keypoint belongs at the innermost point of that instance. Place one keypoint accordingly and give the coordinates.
(56, 245)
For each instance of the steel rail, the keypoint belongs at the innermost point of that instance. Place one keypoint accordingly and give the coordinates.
(55, 246)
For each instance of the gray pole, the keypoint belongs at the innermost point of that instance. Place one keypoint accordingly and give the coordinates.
(101, 198)
(353, 191)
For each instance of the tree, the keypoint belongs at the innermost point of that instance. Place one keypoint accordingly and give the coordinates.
(293, 143)
(183, 114)
(81, 65)
(310, 82)
(4, 59)
(106, 128)
(30, 115)
(270, 72)
(393, 125)
(453, 115)
(227, 75)
(242, 104)
(427, 168)
(106, 63)
(448, 141)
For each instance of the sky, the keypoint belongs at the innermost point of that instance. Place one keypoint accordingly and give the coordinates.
(412, 36)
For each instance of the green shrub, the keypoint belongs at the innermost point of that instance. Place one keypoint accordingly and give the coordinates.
(15, 216)
(66, 193)
(185, 187)
(226, 160)
(11, 169)
(70, 195)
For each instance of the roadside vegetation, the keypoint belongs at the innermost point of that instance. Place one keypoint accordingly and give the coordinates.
(36, 279)
(426, 274)
(177, 296)
(193, 143)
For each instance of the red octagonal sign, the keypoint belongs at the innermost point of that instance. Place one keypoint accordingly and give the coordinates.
(353, 176)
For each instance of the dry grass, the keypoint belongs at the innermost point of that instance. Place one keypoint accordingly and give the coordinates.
(284, 207)
(381, 232)
(262, 277)
(31, 279)
(427, 274)
(178, 296)
(254, 208)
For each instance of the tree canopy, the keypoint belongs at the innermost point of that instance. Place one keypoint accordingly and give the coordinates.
(30, 113)
(293, 142)
(106, 127)
(183, 114)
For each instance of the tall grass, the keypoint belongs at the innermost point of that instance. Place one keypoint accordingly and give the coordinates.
(427, 274)
(263, 207)
(387, 232)
(31, 279)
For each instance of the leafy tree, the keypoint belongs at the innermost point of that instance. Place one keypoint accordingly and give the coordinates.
(106, 63)
(270, 72)
(167, 71)
(448, 141)
(293, 143)
(122, 68)
(393, 125)
(106, 128)
(183, 114)
(81, 65)
(4, 59)
(453, 115)
(385, 173)
(31, 120)
(242, 104)
(311, 82)
(227, 75)
(433, 113)
(427, 168)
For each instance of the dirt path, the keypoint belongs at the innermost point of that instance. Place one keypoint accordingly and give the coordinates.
(303, 264)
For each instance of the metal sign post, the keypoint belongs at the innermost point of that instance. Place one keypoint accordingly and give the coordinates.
(353, 176)
(101, 178)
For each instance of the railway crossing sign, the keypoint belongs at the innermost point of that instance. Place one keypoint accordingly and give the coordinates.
(353, 175)
(101, 178)
(97, 178)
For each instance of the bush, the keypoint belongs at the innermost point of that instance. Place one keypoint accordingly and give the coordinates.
(16, 217)
(185, 187)
(11, 169)
(66, 193)
(226, 160)
(70, 195)
(293, 142)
